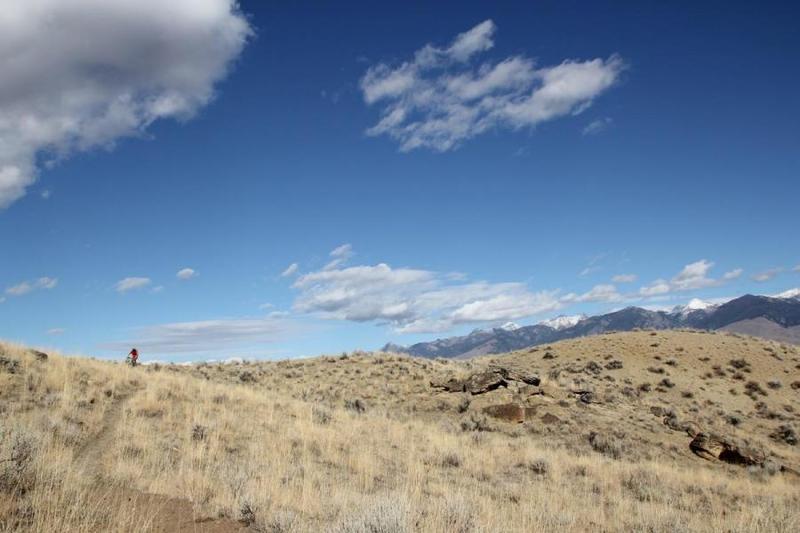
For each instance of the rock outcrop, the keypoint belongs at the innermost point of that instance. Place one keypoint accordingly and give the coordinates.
(489, 380)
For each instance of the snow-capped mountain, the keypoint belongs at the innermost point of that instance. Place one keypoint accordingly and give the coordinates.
(563, 321)
(774, 317)
(791, 293)
(695, 304)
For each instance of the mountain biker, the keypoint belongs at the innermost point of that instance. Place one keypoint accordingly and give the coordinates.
(133, 356)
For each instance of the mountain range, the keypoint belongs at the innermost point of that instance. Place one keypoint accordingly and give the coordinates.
(771, 317)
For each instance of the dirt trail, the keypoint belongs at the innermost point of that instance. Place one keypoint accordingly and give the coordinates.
(157, 512)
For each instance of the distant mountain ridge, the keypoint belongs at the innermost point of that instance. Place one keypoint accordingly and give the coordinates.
(770, 317)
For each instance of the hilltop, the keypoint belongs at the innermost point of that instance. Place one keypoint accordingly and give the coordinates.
(661, 430)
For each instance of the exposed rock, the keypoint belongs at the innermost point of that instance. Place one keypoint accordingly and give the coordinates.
(40, 356)
(489, 380)
(549, 418)
(485, 382)
(587, 397)
(713, 447)
(451, 385)
(510, 412)
(531, 390)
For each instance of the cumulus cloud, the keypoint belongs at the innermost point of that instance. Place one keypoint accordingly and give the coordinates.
(442, 96)
(206, 336)
(692, 277)
(766, 275)
(290, 270)
(414, 300)
(131, 284)
(186, 274)
(44, 283)
(84, 73)
(625, 278)
(597, 126)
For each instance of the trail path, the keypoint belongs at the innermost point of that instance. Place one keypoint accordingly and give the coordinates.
(155, 512)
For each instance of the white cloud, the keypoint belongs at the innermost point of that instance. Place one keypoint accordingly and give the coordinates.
(597, 126)
(84, 73)
(733, 274)
(659, 286)
(56, 331)
(44, 283)
(206, 336)
(130, 284)
(340, 255)
(625, 278)
(598, 293)
(766, 275)
(186, 274)
(440, 98)
(414, 300)
(796, 269)
(692, 277)
(290, 270)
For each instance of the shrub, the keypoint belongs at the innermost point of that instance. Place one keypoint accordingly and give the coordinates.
(381, 515)
(356, 405)
(608, 445)
(199, 433)
(643, 484)
(451, 460)
(320, 416)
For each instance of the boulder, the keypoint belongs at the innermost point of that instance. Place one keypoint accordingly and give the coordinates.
(451, 385)
(40, 356)
(714, 447)
(485, 382)
(549, 418)
(488, 380)
(509, 412)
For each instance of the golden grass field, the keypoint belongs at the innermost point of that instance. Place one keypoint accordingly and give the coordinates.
(363, 443)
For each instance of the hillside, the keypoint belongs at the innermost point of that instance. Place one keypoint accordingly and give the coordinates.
(538, 439)
(772, 318)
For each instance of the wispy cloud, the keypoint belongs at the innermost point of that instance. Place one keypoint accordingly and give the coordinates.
(766, 275)
(597, 126)
(186, 274)
(290, 270)
(56, 331)
(733, 274)
(81, 75)
(131, 284)
(598, 293)
(625, 278)
(44, 283)
(208, 336)
(340, 255)
(442, 96)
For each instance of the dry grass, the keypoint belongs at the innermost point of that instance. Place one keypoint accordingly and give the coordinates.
(363, 443)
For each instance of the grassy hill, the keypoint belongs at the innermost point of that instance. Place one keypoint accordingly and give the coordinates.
(364, 442)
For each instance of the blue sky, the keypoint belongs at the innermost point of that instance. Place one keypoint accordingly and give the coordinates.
(428, 169)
